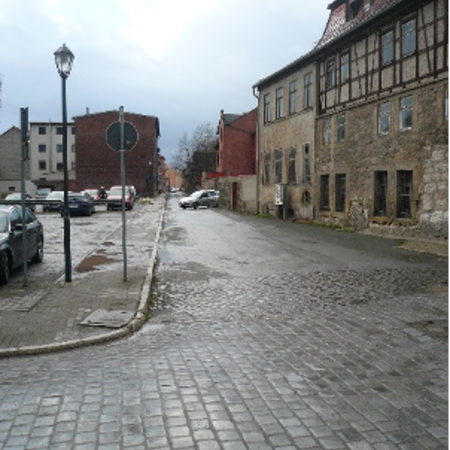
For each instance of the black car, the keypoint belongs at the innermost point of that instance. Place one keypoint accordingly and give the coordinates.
(11, 247)
(79, 203)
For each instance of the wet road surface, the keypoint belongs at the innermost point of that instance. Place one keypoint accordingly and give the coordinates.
(262, 335)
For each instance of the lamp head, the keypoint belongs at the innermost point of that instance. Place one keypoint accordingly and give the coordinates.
(64, 60)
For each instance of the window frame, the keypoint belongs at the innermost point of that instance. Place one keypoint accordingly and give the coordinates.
(405, 191)
(292, 166)
(340, 184)
(409, 37)
(278, 167)
(381, 178)
(308, 91)
(324, 192)
(405, 113)
(383, 117)
(267, 115)
(387, 48)
(279, 94)
(341, 125)
(345, 67)
(293, 97)
(330, 73)
(327, 131)
(266, 172)
(42, 130)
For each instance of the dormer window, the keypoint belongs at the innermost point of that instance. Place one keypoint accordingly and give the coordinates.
(353, 8)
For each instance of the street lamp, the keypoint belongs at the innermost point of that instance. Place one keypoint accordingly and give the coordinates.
(64, 60)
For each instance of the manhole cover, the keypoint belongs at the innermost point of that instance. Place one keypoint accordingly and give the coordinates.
(108, 319)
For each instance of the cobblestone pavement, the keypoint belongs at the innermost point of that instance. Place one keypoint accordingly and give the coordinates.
(253, 350)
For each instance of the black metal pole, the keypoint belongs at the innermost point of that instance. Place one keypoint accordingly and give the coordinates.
(66, 216)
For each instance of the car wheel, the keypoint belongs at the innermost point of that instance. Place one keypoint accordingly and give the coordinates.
(39, 256)
(4, 268)
(195, 205)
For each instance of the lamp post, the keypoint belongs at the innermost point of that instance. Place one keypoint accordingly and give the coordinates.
(64, 60)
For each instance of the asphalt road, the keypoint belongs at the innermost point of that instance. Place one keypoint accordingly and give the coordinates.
(262, 335)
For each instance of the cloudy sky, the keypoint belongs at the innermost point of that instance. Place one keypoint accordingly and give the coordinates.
(182, 61)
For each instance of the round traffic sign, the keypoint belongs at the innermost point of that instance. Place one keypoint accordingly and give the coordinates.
(131, 136)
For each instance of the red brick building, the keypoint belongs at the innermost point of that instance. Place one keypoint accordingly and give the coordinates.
(98, 165)
(237, 143)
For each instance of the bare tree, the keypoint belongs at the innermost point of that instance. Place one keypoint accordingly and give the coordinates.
(182, 156)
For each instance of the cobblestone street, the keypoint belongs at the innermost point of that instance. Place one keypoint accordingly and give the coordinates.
(262, 335)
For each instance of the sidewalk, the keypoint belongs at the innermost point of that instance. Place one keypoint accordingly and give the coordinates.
(59, 316)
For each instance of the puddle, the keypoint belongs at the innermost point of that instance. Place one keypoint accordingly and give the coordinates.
(91, 263)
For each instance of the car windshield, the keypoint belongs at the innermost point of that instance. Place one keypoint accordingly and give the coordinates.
(196, 194)
(118, 192)
(77, 197)
(55, 196)
(16, 196)
(3, 222)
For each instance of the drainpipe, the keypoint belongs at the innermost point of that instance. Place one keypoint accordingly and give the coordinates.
(257, 150)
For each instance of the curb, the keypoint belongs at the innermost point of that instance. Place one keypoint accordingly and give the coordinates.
(136, 323)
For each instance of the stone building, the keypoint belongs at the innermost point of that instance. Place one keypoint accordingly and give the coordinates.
(379, 114)
(286, 115)
(382, 124)
(99, 165)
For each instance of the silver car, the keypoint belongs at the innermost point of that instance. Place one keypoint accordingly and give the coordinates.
(208, 198)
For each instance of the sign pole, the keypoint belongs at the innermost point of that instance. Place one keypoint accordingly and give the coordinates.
(122, 174)
(24, 135)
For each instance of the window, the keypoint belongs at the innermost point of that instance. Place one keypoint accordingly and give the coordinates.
(306, 165)
(59, 130)
(406, 109)
(42, 148)
(59, 148)
(380, 197)
(293, 97)
(324, 192)
(73, 130)
(42, 165)
(340, 192)
(279, 103)
(59, 167)
(345, 67)
(73, 148)
(384, 118)
(42, 130)
(341, 128)
(387, 48)
(267, 108)
(327, 131)
(278, 166)
(330, 77)
(266, 175)
(404, 193)
(409, 37)
(308, 92)
(292, 174)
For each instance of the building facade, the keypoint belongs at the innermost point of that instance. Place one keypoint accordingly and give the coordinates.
(286, 105)
(382, 123)
(99, 165)
(237, 143)
(376, 128)
(46, 154)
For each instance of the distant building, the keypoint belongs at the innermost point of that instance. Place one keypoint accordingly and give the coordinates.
(99, 165)
(237, 143)
(46, 154)
(174, 178)
(10, 168)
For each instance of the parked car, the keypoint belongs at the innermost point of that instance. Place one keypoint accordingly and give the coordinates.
(11, 247)
(55, 196)
(206, 198)
(17, 197)
(80, 203)
(94, 193)
(42, 193)
(115, 198)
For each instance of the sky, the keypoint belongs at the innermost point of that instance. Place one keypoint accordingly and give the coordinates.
(179, 60)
